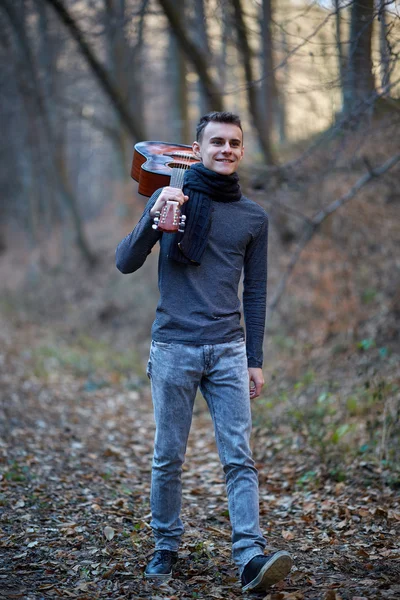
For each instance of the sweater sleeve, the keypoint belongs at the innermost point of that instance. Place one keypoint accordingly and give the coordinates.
(133, 250)
(255, 294)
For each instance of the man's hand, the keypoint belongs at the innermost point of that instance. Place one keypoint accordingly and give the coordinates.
(256, 378)
(168, 193)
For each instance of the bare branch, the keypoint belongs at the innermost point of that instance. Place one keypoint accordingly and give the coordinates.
(311, 227)
(286, 59)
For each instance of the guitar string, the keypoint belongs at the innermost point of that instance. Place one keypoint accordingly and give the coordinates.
(182, 168)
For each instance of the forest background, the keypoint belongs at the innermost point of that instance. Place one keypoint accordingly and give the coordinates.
(317, 85)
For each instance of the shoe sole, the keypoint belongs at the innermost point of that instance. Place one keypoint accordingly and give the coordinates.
(163, 576)
(273, 571)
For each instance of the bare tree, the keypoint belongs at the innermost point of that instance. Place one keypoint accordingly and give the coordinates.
(55, 153)
(132, 122)
(197, 56)
(261, 112)
(124, 57)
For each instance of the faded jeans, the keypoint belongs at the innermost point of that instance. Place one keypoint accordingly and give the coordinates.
(220, 371)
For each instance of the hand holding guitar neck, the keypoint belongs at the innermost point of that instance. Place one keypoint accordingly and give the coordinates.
(168, 193)
(166, 210)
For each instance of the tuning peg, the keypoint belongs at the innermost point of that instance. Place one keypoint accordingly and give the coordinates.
(182, 223)
(156, 220)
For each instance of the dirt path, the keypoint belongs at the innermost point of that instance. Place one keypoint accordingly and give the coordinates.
(74, 502)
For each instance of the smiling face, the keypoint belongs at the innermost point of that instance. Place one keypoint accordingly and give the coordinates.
(220, 147)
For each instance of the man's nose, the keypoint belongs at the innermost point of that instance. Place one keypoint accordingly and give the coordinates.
(227, 147)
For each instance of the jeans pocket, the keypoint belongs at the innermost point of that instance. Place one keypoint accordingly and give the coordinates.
(148, 369)
(165, 345)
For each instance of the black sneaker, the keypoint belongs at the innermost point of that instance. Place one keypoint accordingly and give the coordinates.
(263, 571)
(161, 564)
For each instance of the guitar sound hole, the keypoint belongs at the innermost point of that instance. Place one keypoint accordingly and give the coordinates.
(174, 165)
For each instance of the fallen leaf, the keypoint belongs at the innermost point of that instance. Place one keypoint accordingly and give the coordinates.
(108, 533)
(332, 595)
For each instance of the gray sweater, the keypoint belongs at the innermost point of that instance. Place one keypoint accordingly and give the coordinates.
(200, 304)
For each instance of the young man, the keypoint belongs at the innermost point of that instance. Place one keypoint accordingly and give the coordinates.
(198, 342)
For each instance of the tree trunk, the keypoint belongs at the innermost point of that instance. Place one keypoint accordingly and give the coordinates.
(196, 55)
(384, 45)
(49, 50)
(57, 137)
(340, 55)
(3, 245)
(281, 98)
(179, 90)
(360, 84)
(123, 60)
(200, 27)
(225, 37)
(53, 148)
(253, 97)
(268, 84)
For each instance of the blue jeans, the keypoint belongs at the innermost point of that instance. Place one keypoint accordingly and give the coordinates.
(220, 371)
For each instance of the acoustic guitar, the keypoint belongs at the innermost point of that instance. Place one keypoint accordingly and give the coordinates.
(160, 164)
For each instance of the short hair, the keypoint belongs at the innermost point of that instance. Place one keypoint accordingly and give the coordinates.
(216, 117)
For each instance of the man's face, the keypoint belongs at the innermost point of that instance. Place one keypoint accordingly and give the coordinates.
(221, 147)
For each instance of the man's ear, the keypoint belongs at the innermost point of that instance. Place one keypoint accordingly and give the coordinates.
(196, 149)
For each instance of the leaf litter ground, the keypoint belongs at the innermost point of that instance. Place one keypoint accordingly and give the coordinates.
(74, 500)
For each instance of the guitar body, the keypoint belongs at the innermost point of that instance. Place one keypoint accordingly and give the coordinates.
(154, 162)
